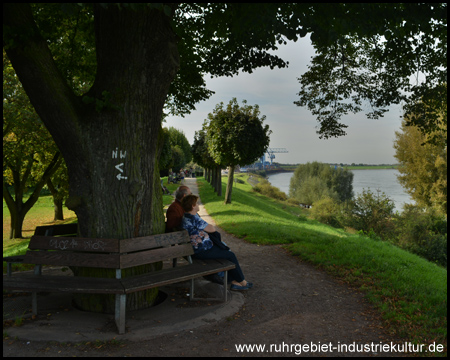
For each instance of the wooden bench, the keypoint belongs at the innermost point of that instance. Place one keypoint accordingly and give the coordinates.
(111, 254)
(46, 230)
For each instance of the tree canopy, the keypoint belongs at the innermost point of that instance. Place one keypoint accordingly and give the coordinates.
(423, 167)
(364, 51)
(235, 135)
(372, 55)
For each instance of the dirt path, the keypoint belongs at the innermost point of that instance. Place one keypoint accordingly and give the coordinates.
(291, 304)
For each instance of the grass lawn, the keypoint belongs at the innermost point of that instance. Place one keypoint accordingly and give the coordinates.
(42, 213)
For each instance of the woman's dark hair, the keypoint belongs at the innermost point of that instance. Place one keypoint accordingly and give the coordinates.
(188, 202)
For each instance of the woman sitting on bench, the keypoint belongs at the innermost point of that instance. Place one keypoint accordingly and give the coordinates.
(209, 247)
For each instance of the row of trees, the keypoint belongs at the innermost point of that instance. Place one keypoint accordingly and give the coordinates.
(232, 135)
(176, 151)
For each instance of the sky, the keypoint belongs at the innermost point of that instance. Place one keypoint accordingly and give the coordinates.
(293, 127)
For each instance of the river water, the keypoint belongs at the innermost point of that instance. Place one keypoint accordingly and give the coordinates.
(384, 180)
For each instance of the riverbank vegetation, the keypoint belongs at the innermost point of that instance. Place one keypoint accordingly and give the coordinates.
(422, 231)
(409, 291)
(420, 228)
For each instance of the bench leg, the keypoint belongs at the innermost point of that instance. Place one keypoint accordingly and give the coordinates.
(225, 286)
(38, 270)
(34, 302)
(119, 316)
(191, 295)
(9, 269)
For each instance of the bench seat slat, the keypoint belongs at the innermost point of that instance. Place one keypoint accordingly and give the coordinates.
(65, 258)
(178, 274)
(155, 255)
(76, 284)
(14, 259)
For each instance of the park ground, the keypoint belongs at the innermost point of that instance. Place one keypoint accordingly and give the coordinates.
(292, 306)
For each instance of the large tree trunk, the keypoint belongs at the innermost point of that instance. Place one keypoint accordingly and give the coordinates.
(116, 190)
(110, 139)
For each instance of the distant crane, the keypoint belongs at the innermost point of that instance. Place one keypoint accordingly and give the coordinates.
(271, 154)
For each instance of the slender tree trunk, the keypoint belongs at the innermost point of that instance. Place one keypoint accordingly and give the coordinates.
(17, 208)
(218, 180)
(57, 201)
(213, 181)
(229, 185)
(16, 224)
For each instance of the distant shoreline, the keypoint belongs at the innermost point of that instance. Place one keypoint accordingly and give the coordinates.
(291, 169)
(349, 167)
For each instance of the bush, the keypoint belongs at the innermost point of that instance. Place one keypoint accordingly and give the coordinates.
(264, 188)
(372, 212)
(314, 181)
(424, 233)
(326, 211)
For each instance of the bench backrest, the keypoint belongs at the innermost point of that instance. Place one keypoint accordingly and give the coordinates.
(154, 248)
(54, 230)
(107, 253)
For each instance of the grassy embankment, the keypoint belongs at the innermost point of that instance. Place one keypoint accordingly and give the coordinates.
(408, 291)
